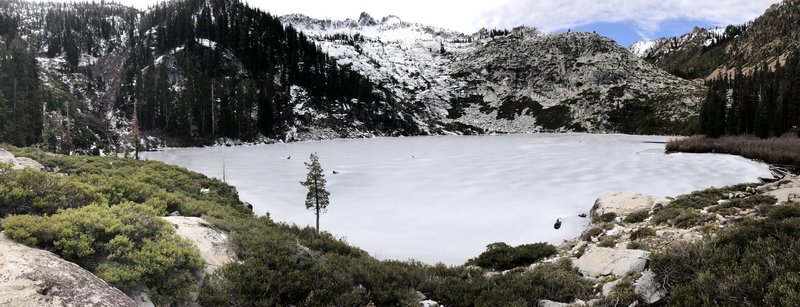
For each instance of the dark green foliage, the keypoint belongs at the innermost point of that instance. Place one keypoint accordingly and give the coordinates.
(458, 104)
(605, 218)
(636, 245)
(756, 260)
(20, 95)
(555, 117)
(637, 116)
(607, 242)
(622, 294)
(500, 256)
(511, 107)
(637, 217)
(750, 202)
(781, 212)
(643, 232)
(764, 102)
(682, 217)
(34, 192)
(223, 99)
(712, 113)
(592, 232)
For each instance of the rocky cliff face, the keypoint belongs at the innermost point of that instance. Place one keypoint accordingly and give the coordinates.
(517, 81)
(33, 277)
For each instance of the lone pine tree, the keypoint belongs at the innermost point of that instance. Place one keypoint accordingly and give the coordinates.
(317, 197)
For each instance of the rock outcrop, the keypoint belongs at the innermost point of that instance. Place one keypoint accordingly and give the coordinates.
(215, 248)
(34, 277)
(603, 261)
(19, 163)
(621, 203)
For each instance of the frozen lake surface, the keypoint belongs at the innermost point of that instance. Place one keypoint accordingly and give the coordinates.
(443, 199)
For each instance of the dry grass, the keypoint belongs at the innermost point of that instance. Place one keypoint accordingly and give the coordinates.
(783, 151)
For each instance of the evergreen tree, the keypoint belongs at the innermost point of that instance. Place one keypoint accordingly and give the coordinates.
(317, 196)
(712, 113)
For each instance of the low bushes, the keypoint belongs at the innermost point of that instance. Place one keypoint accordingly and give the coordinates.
(127, 245)
(783, 151)
(637, 217)
(643, 232)
(753, 263)
(501, 256)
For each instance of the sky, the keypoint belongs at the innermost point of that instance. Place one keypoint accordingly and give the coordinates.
(625, 21)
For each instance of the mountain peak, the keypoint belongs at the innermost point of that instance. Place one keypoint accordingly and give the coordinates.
(366, 20)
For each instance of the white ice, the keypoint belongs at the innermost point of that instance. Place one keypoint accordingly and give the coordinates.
(443, 199)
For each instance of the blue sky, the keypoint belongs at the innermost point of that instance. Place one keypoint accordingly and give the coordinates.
(625, 33)
(625, 21)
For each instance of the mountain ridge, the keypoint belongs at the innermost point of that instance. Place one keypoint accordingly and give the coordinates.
(242, 74)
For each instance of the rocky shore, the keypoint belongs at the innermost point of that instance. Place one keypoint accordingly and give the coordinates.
(627, 228)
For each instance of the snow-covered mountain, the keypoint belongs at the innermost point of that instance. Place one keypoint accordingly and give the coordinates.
(507, 81)
(193, 72)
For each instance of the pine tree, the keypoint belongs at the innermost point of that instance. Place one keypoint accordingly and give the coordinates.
(317, 197)
(712, 113)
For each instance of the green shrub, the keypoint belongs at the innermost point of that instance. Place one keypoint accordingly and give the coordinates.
(637, 217)
(501, 256)
(127, 245)
(637, 245)
(35, 192)
(607, 242)
(781, 212)
(622, 293)
(591, 233)
(677, 216)
(605, 218)
(756, 257)
(643, 232)
(755, 201)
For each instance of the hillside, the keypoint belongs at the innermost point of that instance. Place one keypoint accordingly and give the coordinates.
(711, 53)
(116, 80)
(510, 81)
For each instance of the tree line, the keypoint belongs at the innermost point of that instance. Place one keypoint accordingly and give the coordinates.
(209, 69)
(763, 102)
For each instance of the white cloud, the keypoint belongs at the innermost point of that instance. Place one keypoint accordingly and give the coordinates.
(646, 15)
(549, 15)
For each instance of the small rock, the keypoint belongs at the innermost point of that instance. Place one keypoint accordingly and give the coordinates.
(428, 303)
(421, 296)
(175, 213)
(648, 290)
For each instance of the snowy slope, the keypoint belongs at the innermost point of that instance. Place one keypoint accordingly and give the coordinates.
(479, 77)
(404, 57)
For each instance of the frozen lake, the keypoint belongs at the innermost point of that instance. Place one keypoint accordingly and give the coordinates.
(443, 199)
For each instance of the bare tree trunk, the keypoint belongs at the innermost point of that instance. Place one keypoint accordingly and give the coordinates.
(316, 200)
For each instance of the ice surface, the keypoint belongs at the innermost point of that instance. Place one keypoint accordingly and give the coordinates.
(443, 199)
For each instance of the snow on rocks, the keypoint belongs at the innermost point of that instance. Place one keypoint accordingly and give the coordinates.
(603, 261)
(19, 163)
(621, 203)
(34, 277)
